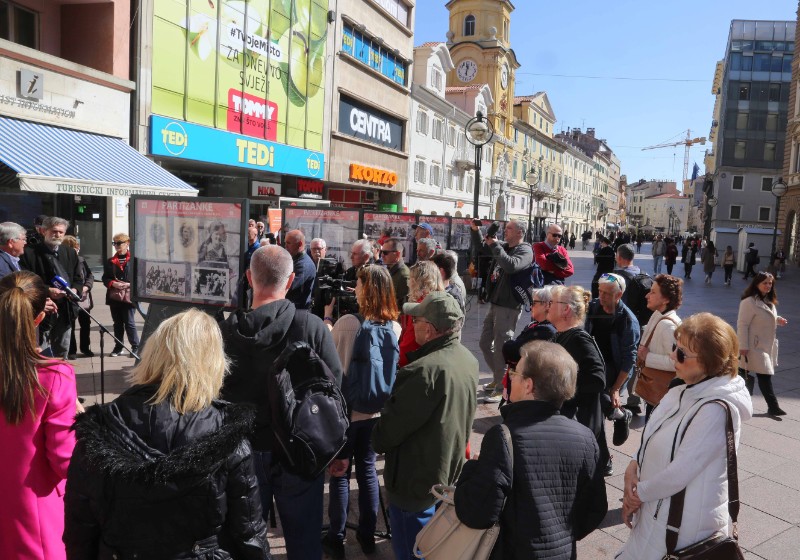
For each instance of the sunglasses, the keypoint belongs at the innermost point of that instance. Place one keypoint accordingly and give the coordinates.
(118, 243)
(556, 234)
(680, 355)
(610, 278)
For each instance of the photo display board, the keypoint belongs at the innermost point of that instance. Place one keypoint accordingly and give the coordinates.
(460, 232)
(399, 226)
(338, 227)
(187, 250)
(441, 228)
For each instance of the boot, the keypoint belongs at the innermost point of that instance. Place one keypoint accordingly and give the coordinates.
(750, 383)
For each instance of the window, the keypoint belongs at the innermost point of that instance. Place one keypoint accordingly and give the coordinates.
(436, 78)
(422, 122)
(397, 9)
(761, 62)
(438, 129)
(764, 213)
(458, 181)
(738, 183)
(769, 151)
(451, 135)
(419, 171)
(772, 121)
(774, 92)
(513, 201)
(735, 212)
(448, 178)
(744, 91)
(469, 26)
(787, 63)
(766, 184)
(522, 202)
(740, 149)
(18, 25)
(741, 120)
(436, 175)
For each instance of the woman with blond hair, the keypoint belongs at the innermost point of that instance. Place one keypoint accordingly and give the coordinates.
(567, 313)
(376, 321)
(684, 444)
(166, 471)
(37, 404)
(424, 278)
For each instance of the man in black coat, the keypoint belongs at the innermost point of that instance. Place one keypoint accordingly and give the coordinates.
(48, 260)
(553, 486)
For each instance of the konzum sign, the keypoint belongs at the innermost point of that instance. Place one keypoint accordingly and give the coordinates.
(372, 175)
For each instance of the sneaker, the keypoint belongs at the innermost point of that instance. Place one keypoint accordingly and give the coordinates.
(622, 428)
(494, 397)
(333, 547)
(121, 352)
(490, 387)
(367, 543)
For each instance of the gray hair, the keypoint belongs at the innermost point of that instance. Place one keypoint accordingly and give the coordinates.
(553, 371)
(544, 294)
(271, 266)
(452, 254)
(430, 244)
(364, 246)
(9, 231)
(319, 241)
(626, 252)
(52, 221)
(458, 324)
(396, 244)
(520, 225)
(617, 280)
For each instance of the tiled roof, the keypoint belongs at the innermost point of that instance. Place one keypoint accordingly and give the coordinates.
(428, 44)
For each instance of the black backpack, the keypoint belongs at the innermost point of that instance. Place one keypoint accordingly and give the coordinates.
(309, 414)
(522, 283)
(637, 286)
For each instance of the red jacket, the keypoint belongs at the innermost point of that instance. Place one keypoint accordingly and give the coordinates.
(540, 252)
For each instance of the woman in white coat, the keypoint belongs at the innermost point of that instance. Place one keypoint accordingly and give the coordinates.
(758, 320)
(705, 357)
(663, 299)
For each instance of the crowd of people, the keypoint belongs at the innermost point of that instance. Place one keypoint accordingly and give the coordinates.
(188, 462)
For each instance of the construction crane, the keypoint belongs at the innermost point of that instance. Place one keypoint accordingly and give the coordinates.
(688, 142)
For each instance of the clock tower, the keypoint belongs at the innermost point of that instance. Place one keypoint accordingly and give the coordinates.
(479, 45)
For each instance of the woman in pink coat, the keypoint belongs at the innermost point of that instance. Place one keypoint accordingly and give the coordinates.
(37, 406)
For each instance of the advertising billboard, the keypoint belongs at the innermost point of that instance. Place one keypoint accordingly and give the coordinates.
(254, 67)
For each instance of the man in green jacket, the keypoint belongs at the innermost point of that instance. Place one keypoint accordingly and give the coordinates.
(425, 425)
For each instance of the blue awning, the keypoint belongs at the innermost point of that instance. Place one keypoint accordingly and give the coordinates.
(59, 160)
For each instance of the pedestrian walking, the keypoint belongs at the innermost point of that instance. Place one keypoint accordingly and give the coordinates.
(688, 258)
(38, 402)
(756, 327)
(677, 455)
(658, 251)
(571, 241)
(728, 263)
(709, 260)
(671, 255)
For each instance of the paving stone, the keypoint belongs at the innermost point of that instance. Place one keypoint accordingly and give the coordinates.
(770, 497)
(756, 527)
(781, 547)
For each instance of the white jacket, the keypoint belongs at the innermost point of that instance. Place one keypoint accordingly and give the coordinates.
(660, 346)
(699, 466)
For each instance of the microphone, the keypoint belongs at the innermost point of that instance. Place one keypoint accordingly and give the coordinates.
(62, 284)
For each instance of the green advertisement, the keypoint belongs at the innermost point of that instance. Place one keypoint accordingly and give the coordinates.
(253, 67)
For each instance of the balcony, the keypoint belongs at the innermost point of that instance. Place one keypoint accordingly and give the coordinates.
(464, 158)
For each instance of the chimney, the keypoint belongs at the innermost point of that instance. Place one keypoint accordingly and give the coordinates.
(590, 132)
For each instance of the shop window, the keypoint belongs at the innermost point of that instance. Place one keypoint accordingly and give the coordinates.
(18, 25)
(469, 26)
(738, 183)
(735, 212)
(766, 184)
(764, 213)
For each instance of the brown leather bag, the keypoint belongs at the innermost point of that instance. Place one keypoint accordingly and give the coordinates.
(718, 546)
(651, 383)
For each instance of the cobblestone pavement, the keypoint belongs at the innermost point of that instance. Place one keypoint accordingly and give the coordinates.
(769, 454)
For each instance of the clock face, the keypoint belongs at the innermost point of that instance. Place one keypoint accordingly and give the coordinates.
(504, 77)
(466, 71)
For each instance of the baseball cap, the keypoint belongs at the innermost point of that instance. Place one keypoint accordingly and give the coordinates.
(424, 225)
(438, 308)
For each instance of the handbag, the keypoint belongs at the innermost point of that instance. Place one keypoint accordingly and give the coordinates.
(121, 295)
(445, 537)
(718, 546)
(651, 383)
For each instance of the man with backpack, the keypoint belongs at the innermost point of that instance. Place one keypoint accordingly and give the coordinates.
(253, 341)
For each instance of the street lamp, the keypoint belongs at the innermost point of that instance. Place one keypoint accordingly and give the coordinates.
(778, 190)
(479, 132)
(588, 210)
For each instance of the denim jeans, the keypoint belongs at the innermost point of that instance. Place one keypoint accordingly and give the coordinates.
(123, 316)
(405, 526)
(657, 260)
(299, 504)
(359, 446)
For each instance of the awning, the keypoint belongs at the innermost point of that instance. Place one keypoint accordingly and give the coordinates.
(58, 160)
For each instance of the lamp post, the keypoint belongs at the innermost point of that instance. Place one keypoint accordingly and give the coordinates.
(479, 132)
(588, 210)
(778, 190)
(532, 179)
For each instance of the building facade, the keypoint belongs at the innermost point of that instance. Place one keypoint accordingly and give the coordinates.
(749, 146)
(788, 222)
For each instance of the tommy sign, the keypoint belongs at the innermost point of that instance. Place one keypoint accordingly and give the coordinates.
(366, 123)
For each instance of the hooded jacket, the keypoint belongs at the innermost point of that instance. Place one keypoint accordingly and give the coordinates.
(699, 465)
(148, 482)
(252, 341)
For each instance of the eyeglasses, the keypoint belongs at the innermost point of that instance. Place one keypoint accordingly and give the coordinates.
(611, 278)
(555, 234)
(534, 302)
(513, 372)
(680, 355)
(385, 252)
(118, 243)
(416, 320)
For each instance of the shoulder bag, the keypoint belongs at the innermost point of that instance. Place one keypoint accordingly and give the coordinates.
(445, 537)
(717, 546)
(118, 294)
(651, 383)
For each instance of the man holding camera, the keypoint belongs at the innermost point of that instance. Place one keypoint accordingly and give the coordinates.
(510, 257)
(552, 257)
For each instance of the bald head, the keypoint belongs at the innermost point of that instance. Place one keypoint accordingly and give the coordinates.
(295, 242)
(271, 270)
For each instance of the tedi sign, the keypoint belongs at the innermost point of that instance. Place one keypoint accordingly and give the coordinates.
(366, 123)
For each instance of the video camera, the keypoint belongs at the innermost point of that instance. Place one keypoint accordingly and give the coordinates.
(330, 287)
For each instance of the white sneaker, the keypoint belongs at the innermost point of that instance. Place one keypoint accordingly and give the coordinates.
(490, 387)
(494, 397)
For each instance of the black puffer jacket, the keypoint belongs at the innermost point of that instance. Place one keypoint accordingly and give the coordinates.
(146, 482)
(558, 495)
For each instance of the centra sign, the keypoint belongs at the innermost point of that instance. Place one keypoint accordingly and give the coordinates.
(372, 175)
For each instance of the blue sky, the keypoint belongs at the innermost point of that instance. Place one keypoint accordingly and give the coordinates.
(677, 39)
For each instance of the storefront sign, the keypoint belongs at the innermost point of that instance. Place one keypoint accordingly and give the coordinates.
(31, 84)
(374, 54)
(310, 189)
(262, 188)
(34, 106)
(372, 175)
(260, 66)
(94, 188)
(180, 139)
(366, 123)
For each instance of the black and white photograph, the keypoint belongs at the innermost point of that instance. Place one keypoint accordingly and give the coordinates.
(185, 237)
(165, 280)
(156, 243)
(210, 283)
(213, 247)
